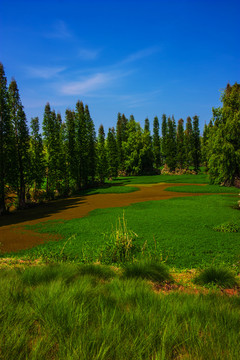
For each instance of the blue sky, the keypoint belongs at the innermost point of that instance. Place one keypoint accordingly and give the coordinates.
(143, 58)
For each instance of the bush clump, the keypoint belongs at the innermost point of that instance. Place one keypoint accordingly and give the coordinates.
(229, 227)
(219, 276)
(156, 272)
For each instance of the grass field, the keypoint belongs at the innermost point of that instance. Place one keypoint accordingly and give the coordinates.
(70, 312)
(132, 310)
(180, 231)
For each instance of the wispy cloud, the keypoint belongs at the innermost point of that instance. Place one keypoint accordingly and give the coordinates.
(44, 72)
(141, 54)
(59, 30)
(84, 86)
(88, 54)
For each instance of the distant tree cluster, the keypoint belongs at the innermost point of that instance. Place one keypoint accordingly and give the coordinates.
(221, 140)
(68, 155)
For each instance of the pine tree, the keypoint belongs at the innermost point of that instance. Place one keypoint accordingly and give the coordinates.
(82, 144)
(122, 133)
(112, 155)
(91, 145)
(156, 143)
(71, 148)
(196, 151)
(146, 153)
(37, 172)
(22, 139)
(102, 157)
(132, 148)
(181, 153)
(164, 138)
(171, 144)
(189, 142)
(6, 139)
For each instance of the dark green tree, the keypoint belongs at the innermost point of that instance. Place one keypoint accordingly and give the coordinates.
(171, 144)
(224, 144)
(181, 152)
(102, 156)
(156, 143)
(82, 145)
(71, 149)
(196, 150)
(146, 152)
(21, 138)
(37, 171)
(91, 145)
(112, 155)
(164, 138)
(189, 142)
(6, 140)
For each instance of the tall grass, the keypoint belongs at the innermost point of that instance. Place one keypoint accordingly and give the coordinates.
(119, 318)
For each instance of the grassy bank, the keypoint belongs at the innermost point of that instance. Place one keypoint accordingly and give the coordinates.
(66, 312)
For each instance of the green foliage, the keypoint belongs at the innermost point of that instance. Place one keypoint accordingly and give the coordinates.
(228, 227)
(112, 155)
(171, 144)
(156, 272)
(220, 276)
(189, 142)
(146, 152)
(37, 171)
(196, 150)
(102, 155)
(224, 143)
(156, 143)
(181, 151)
(20, 160)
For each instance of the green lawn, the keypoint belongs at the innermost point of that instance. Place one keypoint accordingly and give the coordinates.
(179, 231)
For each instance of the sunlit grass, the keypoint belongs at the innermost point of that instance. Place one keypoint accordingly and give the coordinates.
(74, 315)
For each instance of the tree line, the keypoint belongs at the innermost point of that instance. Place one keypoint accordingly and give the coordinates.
(68, 155)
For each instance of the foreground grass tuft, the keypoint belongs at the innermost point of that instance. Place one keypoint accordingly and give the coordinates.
(217, 276)
(151, 271)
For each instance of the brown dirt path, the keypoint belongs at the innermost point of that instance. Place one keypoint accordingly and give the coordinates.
(14, 237)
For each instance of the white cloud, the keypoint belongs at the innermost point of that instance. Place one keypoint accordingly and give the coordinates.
(83, 86)
(141, 54)
(44, 72)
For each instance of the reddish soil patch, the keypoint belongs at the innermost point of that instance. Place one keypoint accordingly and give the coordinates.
(14, 237)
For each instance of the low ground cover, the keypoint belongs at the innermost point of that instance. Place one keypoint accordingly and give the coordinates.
(68, 312)
(210, 189)
(179, 231)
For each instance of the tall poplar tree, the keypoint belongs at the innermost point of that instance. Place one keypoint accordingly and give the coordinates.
(181, 152)
(156, 143)
(82, 144)
(164, 138)
(71, 148)
(102, 156)
(6, 139)
(189, 142)
(37, 171)
(171, 144)
(91, 145)
(21, 139)
(112, 155)
(196, 150)
(146, 152)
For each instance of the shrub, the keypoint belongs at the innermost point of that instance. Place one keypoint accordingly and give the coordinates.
(156, 272)
(230, 227)
(216, 276)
